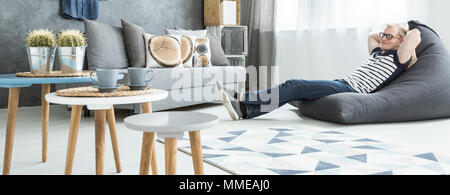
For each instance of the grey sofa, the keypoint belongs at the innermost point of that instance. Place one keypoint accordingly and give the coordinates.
(186, 86)
(192, 86)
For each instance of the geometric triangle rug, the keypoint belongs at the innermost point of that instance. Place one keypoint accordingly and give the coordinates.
(290, 151)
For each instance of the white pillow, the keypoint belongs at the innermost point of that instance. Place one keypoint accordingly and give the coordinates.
(163, 51)
(197, 33)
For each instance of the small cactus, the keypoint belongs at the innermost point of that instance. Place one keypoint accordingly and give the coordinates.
(71, 38)
(41, 38)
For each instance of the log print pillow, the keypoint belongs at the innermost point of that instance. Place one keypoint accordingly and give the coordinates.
(202, 53)
(163, 51)
(187, 50)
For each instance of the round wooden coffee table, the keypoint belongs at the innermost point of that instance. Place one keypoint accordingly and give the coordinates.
(15, 84)
(171, 126)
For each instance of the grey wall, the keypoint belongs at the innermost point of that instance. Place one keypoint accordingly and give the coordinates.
(18, 17)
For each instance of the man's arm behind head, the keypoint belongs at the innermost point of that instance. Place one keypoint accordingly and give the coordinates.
(374, 42)
(407, 48)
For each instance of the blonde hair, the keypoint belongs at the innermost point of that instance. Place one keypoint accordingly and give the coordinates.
(401, 30)
(402, 33)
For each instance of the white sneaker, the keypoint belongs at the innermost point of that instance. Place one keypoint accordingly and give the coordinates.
(230, 103)
(232, 93)
(227, 103)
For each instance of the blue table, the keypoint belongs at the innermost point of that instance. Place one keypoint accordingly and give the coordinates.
(14, 84)
(13, 81)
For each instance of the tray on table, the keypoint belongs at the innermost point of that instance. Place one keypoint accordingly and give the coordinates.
(122, 91)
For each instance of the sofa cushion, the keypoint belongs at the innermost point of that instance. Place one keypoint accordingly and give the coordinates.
(178, 78)
(163, 51)
(224, 74)
(134, 42)
(202, 52)
(178, 31)
(106, 46)
(187, 50)
(218, 57)
(422, 92)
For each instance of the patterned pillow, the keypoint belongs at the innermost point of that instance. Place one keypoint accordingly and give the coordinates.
(163, 51)
(202, 53)
(201, 56)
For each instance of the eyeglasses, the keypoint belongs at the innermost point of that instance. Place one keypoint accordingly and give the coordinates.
(388, 36)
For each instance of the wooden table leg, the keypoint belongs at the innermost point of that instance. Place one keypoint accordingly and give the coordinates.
(113, 132)
(170, 149)
(196, 149)
(100, 117)
(13, 103)
(73, 136)
(147, 108)
(45, 89)
(148, 145)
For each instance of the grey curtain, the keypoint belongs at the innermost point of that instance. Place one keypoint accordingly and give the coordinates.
(259, 16)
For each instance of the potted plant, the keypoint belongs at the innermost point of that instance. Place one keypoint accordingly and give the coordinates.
(71, 49)
(41, 47)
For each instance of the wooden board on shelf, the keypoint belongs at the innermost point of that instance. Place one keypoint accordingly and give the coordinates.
(213, 12)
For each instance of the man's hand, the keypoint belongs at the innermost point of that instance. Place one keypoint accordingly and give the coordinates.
(374, 42)
(406, 49)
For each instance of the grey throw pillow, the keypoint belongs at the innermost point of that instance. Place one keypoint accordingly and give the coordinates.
(106, 46)
(134, 42)
(218, 57)
(421, 93)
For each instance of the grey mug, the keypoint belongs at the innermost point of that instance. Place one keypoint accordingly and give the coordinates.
(106, 78)
(137, 76)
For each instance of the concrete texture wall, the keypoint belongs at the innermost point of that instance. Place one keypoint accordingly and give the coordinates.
(18, 17)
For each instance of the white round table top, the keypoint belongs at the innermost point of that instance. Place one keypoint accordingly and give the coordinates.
(171, 122)
(105, 103)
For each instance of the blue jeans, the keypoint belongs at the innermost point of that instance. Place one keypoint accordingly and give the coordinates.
(258, 103)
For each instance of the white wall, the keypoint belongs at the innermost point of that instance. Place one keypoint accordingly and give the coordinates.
(435, 13)
(325, 55)
(439, 18)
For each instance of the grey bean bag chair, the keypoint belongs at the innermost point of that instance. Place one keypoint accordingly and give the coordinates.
(421, 93)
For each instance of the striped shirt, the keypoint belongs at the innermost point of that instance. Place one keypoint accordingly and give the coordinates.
(377, 72)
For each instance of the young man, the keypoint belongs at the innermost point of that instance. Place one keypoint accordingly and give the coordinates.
(391, 52)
